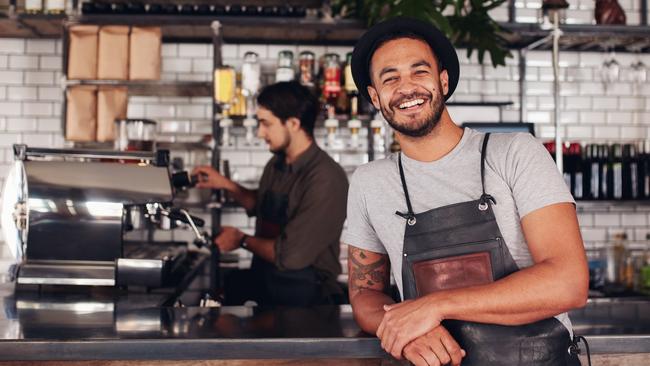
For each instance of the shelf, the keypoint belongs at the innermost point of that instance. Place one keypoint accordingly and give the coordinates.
(32, 25)
(582, 37)
(606, 205)
(161, 88)
(479, 104)
(283, 30)
(239, 29)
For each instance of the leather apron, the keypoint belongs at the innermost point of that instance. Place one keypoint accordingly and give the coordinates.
(460, 245)
(287, 287)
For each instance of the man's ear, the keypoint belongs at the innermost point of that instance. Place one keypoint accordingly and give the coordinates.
(374, 97)
(444, 81)
(293, 124)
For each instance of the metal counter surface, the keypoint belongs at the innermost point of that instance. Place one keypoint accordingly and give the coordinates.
(33, 327)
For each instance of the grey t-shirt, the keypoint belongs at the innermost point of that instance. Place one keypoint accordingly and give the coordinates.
(519, 173)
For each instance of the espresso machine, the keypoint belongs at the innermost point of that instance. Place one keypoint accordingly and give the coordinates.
(66, 213)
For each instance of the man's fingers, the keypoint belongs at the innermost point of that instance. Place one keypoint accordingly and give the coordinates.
(399, 344)
(413, 355)
(441, 352)
(453, 349)
(431, 357)
(201, 169)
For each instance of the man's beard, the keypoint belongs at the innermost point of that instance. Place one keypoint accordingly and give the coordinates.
(416, 128)
(283, 147)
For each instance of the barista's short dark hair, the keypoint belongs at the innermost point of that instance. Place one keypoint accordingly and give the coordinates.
(291, 99)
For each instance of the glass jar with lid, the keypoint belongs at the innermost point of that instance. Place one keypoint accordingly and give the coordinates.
(251, 74)
(225, 80)
(307, 65)
(285, 71)
(332, 78)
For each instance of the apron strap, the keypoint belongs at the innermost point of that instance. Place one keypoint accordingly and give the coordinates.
(410, 215)
(485, 197)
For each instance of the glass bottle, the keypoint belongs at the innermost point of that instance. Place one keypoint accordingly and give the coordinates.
(593, 170)
(615, 273)
(225, 80)
(644, 170)
(630, 172)
(616, 164)
(332, 79)
(603, 158)
(307, 66)
(285, 71)
(251, 79)
(251, 74)
(351, 88)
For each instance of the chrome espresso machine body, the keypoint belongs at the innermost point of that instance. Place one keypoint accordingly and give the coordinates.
(65, 214)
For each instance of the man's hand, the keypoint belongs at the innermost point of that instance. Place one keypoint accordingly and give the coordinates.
(404, 322)
(228, 239)
(435, 348)
(210, 178)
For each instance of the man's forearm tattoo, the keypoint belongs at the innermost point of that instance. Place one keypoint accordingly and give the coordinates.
(367, 273)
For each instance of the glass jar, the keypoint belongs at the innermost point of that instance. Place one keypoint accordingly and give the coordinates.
(285, 71)
(33, 6)
(55, 6)
(135, 135)
(251, 74)
(225, 79)
(307, 62)
(332, 79)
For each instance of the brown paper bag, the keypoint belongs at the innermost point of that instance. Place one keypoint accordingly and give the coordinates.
(82, 52)
(111, 105)
(144, 53)
(113, 59)
(81, 110)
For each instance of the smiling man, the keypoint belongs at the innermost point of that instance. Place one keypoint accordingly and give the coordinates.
(300, 209)
(480, 231)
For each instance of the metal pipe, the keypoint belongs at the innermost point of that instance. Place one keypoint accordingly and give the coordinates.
(556, 89)
(512, 15)
(644, 12)
(523, 109)
(215, 208)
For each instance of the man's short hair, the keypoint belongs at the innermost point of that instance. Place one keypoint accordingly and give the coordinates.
(291, 99)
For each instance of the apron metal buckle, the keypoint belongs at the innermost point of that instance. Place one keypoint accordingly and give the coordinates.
(483, 206)
(410, 217)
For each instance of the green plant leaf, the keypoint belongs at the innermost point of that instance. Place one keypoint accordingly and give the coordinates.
(470, 24)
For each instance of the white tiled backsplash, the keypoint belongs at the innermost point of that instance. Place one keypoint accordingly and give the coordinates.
(30, 105)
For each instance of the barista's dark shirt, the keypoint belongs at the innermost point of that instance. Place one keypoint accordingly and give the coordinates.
(316, 190)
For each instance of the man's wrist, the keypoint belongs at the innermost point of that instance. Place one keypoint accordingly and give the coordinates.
(242, 241)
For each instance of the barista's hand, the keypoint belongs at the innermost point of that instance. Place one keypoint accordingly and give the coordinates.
(228, 239)
(210, 178)
(436, 347)
(404, 322)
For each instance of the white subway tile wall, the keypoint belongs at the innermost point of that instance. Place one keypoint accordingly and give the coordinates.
(592, 111)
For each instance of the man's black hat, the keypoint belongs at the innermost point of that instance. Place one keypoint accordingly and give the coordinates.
(366, 46)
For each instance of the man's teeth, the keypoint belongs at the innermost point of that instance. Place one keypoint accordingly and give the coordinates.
(411, 103)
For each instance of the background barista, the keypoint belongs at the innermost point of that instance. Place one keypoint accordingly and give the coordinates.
(300, 208)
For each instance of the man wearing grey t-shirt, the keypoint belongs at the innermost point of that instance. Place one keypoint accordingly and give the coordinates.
(480, 231)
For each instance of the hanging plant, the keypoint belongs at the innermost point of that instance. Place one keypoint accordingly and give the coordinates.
(467, 23)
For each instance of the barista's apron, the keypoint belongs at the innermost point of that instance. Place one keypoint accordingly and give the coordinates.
(460, 245)
(288, 287)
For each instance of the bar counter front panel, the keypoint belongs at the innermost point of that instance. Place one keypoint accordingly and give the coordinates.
(38, 327)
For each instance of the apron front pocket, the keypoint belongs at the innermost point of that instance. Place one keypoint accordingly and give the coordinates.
(457, 266)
